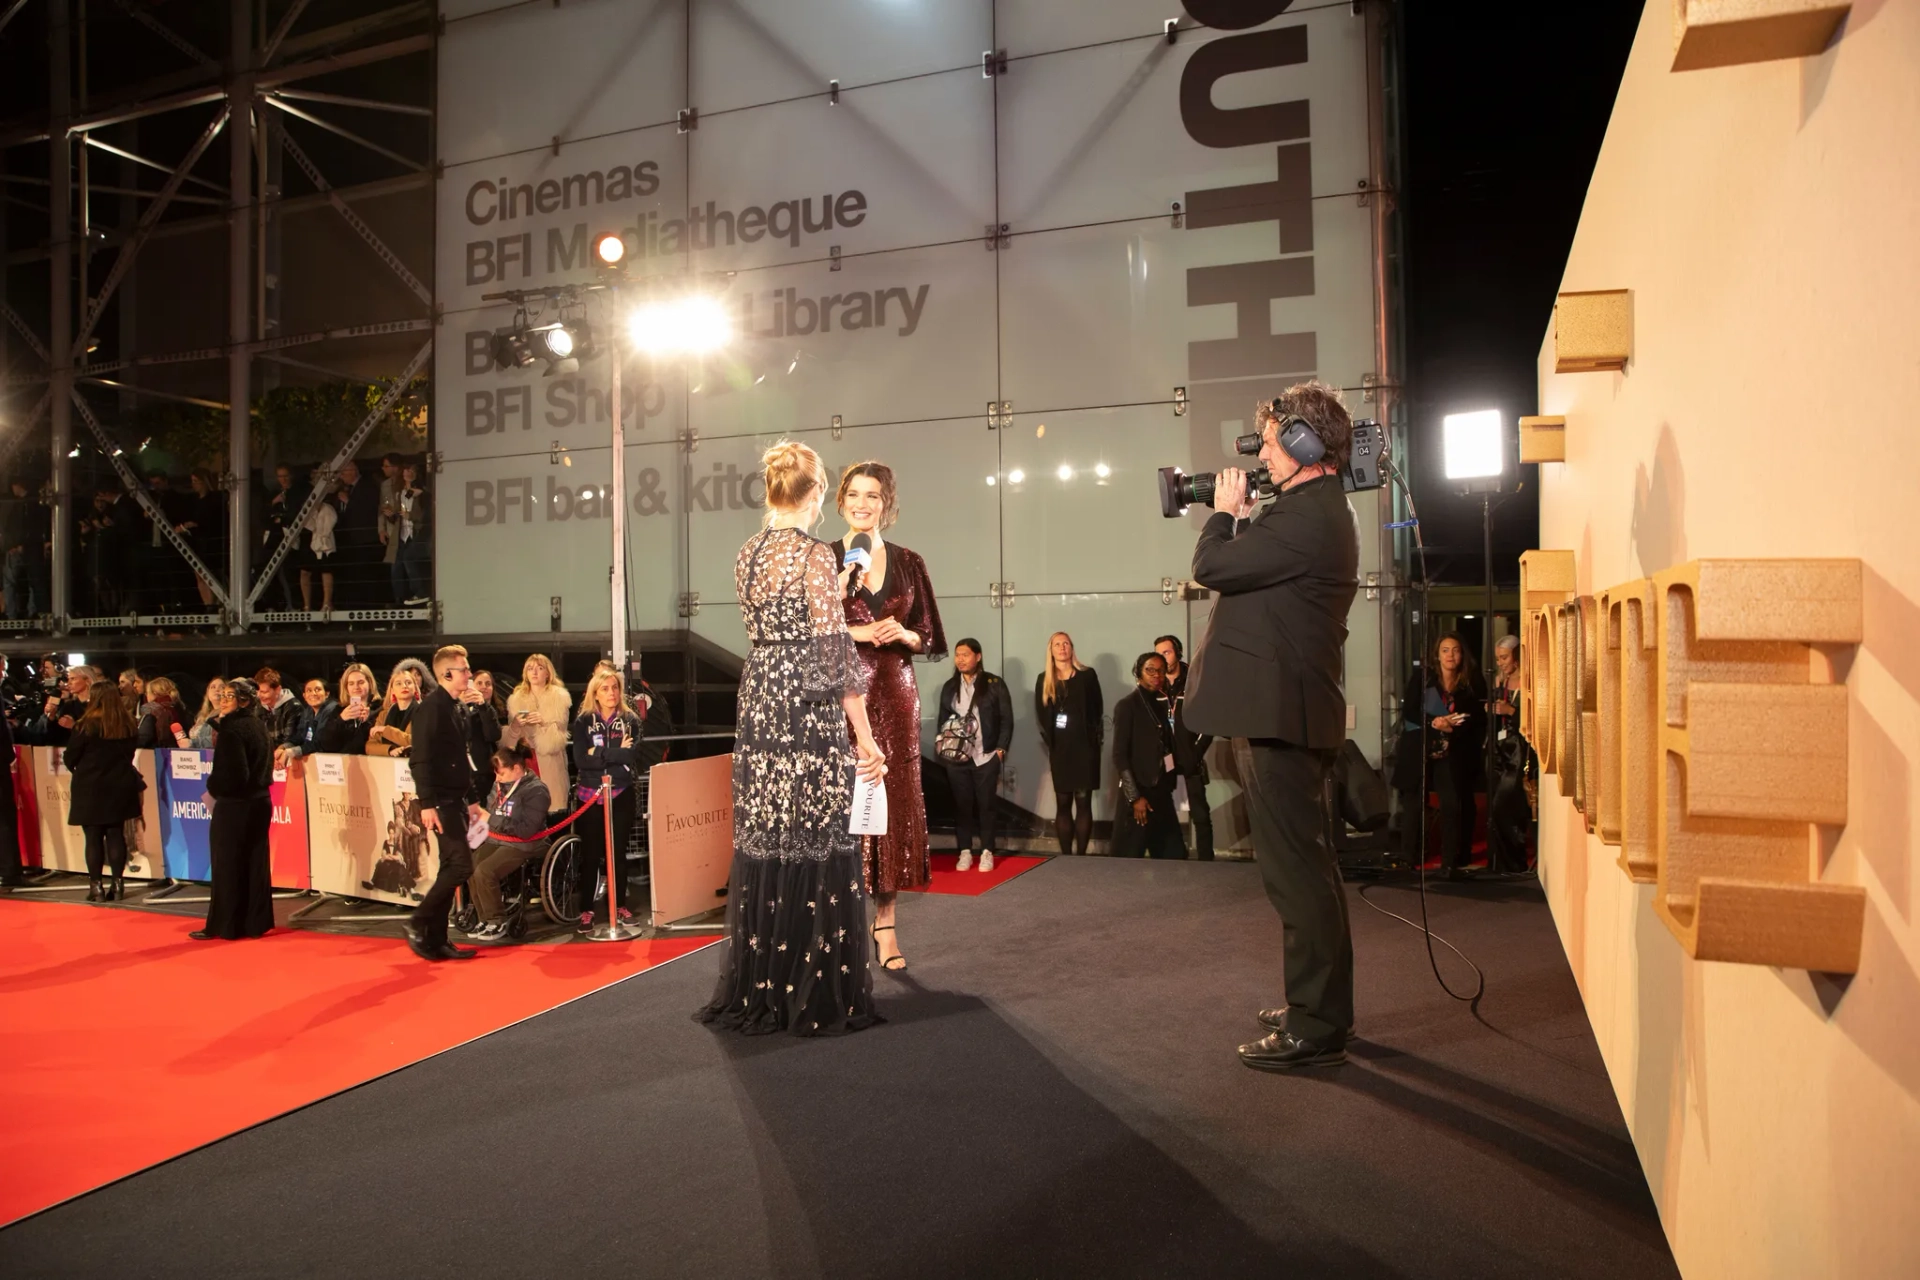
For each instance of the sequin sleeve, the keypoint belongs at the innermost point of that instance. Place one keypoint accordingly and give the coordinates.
(830, 666)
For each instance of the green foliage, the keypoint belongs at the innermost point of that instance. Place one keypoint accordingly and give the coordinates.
(290, 424)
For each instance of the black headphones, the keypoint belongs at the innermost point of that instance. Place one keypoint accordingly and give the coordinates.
(1297, 438)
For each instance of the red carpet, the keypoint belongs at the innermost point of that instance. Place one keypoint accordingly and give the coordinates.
(124, 1043)
(975, 882)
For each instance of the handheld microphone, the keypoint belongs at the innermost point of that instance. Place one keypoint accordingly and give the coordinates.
(179, 736)
(860, 556)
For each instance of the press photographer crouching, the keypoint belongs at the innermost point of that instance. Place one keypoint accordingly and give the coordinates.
(1268, 670)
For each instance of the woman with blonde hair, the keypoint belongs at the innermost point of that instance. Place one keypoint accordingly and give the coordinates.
(161, 716)
(1067, 703)
(210, 710)
(537, 714)
(892, 617)
(346, 734)
(797, 940)
(392, 731)
(606, 746)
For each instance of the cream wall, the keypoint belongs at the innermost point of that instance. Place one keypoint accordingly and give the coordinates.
(1767, 221)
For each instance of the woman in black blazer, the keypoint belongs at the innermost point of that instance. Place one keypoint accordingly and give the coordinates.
(1067, 701)
(1451, 699)
(242, 901)
(106, 786)
(1143, 756)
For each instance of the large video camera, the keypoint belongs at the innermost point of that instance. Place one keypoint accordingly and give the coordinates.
(1178, 491)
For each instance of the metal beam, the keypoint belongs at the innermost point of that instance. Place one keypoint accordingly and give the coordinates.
(348, 134)
(354, 220)
(21, 179)
(153, 394)
(131, 483)
(342, 100)
(242, 115)
(33, 339)
(293, 13)
(161, 29)
(158, 206)
(261, 347)
(112, 150)
(61, 344)
(13, 11)
(346, 451)
(341, 61)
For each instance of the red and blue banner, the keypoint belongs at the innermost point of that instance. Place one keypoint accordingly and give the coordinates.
(186, 813)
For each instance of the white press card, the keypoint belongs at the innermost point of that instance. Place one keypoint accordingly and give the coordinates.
(869, 808)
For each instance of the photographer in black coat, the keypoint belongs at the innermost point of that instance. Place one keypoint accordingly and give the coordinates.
(1268, 670)
(442, 776)
(976, 701)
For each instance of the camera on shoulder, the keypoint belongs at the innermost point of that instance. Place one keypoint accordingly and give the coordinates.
(1363, 471)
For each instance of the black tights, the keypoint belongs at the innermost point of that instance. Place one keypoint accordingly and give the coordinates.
(106, 847)
(1073, 820)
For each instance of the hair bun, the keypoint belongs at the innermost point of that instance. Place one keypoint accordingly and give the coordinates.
(793, 474)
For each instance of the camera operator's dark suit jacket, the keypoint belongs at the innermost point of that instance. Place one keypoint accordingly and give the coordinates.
(1269, 665)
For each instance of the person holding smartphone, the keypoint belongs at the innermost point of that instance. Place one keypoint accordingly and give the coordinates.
(538, 712)
(346, 734)
(1450, 698)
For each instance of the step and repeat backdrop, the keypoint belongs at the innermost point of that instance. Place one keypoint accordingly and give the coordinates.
(1024, 253)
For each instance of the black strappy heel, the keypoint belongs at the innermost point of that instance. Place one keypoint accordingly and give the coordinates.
(889, 965)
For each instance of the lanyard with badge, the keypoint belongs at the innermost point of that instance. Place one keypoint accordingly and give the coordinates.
(1166, 737)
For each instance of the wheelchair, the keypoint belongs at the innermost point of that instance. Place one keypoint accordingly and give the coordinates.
(551, 884)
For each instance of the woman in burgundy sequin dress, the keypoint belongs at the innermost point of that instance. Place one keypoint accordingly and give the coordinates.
(892, 616)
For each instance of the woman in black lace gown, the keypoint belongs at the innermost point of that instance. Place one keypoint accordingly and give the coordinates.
(797, 945)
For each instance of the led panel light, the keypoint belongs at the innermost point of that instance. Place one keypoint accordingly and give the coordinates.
(1473, 444)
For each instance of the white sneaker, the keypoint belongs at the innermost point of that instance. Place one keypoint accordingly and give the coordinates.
(966, 860)
(986, 861)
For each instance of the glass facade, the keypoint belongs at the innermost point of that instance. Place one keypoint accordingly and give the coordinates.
(1024, 291)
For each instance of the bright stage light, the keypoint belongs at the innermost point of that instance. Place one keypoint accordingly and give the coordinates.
(1102, 470)
(1473, 446)
(551, 342)
(1015, 476)
(692, 325)
(610, 248)
(1065, 472)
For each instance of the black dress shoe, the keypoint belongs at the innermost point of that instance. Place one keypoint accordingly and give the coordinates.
(1284, 1051)
(201, 935)
(1276, 1020)
(417, 943)
(450, 952)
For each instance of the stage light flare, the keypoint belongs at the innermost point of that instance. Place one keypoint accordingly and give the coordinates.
(610, 248)
(692, 325)
(1473, 448)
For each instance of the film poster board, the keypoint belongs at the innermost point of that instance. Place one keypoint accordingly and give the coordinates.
(64, 847)
(690, 836)
(364, 830)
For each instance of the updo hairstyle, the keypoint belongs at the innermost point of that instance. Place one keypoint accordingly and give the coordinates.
(889, 500)
(793, 475)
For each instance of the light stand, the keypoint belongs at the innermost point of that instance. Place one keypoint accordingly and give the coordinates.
(1476, 456)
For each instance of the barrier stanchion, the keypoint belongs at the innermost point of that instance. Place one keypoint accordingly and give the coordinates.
(610, 929)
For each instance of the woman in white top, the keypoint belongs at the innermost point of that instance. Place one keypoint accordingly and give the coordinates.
(538, 711)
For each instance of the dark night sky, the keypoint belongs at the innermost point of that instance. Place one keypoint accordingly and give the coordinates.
(1505, 111)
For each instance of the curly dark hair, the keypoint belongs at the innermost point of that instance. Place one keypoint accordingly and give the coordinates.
(1323, 409)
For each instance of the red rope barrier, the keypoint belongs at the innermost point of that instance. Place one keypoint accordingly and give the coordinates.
(542, 835)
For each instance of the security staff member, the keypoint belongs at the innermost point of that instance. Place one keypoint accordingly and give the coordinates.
(442, 776)
(1268, 670)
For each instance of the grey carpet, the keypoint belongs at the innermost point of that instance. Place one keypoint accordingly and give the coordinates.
(1055, 1094)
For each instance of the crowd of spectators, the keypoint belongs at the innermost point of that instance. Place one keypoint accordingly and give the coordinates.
(368, 542)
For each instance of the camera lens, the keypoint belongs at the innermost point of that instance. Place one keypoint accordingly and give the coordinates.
(1248, 444)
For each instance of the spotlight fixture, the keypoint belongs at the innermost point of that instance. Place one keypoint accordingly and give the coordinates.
(1473, 448)
(511, 350)
(610, 248)
(1015, 476)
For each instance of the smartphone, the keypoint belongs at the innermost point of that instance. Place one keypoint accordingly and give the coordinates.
(523, 715)
(358, 700)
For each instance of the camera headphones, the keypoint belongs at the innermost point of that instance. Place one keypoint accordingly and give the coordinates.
(1295, 435)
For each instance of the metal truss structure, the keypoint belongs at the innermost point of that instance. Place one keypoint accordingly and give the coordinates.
(251, 96)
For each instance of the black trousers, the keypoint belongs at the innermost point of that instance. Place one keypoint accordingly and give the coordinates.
(1287, 808)
(593, 847)
(1160, 836)
(10, 870)
(1202, 815)
(242, 903)
(974, 788)
(456, 864)
(1455, 779)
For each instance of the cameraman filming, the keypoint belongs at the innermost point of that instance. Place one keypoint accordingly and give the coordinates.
(1268, 670)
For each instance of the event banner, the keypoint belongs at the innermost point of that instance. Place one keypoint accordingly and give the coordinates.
(287, 838)
(690, 836)
(186, 812)
(364, 829)
(63, 847)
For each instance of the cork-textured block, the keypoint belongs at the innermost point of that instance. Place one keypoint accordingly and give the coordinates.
(1592, 331)
(1606, 821)
(1546, 579)
(1590, 769)
(1543, 439)
(1731, 33)
(1587, 642)
(1566, 710)
(1753, 752)
(1632, 661)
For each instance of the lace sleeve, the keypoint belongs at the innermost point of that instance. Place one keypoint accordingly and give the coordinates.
(830, 666)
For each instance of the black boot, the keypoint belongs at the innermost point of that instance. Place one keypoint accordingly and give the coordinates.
(118, 891)
(96, 891)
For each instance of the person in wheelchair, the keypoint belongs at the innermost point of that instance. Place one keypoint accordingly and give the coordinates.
(516, 809)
